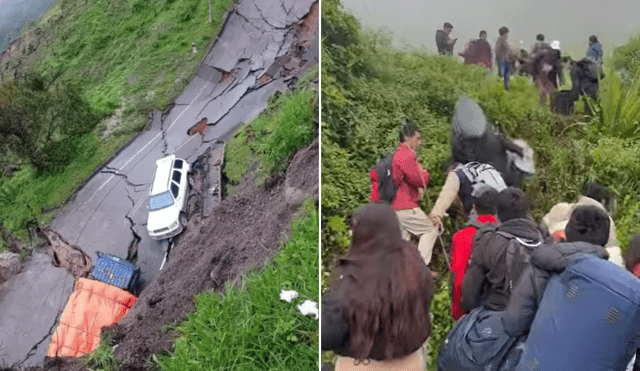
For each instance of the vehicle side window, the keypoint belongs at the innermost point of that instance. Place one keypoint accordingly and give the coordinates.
(176, 176)
(177, 164)
(174, 190)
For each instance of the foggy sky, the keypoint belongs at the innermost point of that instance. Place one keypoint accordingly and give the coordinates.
(414, 23)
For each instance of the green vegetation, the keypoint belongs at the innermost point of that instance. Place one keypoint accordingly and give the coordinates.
(626, 58)
(250, 328)
(43, 121)
(618, 110)
(368, 87)
(132, 56)
(28, 199)
(102, 359)
(269, 141)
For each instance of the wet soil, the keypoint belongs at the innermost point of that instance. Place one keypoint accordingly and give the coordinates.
(244, 231)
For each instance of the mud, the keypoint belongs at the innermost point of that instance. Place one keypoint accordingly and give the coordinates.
(200, 127)
(65, 255)
(244, 231)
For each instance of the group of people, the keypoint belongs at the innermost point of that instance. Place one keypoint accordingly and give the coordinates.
(544, 62)
(376, 312)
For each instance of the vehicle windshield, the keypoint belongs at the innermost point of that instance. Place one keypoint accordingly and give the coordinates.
(160, 201)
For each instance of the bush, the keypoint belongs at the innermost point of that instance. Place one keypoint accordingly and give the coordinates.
(368, 86)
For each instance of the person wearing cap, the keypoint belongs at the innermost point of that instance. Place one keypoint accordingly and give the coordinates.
(587, 232)
(595, 194)
(443, 41)
(485, 279)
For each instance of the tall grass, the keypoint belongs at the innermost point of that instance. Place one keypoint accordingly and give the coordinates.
(618, 109)
(250, 328)
(272, 138)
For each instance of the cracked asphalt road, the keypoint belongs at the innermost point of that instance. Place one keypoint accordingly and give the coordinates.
(109, 214)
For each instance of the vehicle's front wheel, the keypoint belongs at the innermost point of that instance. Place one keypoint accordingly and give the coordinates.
(183, 220)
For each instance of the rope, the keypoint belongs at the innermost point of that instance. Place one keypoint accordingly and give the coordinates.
(444, 250)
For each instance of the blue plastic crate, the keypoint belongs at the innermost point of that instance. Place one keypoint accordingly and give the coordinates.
(116, 271)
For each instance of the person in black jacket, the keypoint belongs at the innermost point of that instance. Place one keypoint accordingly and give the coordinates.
(376, 312)
(475, 139)
(485, 283)
(584, 80)
(587, 232)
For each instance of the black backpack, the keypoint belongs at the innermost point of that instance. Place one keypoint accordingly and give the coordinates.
(386, 188)
(516, 256)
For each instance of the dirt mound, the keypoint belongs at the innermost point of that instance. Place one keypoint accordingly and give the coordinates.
(244, 231)
(65, 255)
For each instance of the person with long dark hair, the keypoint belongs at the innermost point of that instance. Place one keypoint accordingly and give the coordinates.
(376, 313)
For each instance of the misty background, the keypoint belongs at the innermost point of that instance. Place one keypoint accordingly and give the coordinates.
(414, 23)
(14, 15)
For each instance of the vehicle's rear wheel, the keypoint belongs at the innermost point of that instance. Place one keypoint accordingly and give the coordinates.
(183, 220)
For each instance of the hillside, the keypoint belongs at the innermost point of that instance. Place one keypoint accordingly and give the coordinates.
(368, 87)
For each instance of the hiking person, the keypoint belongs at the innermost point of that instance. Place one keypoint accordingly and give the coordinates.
(587, 232)
(496, 263)
(484, 53)
(503, 55)
(465, 182)
(462, 246)
(443, 41)
(584, 80)
(571, 298)
(411, 179)
(540, 45)
(475, 139)
(594, 51)
(546, 68)
(595, 194)
(478, 52)
(375, 314)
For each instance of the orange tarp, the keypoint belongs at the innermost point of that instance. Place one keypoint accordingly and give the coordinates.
(91, 306)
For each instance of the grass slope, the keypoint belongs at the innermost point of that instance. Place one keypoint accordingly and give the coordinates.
(132, 56)
(250, 328)
(273, 137)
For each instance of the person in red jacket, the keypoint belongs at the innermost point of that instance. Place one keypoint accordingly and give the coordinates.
(411, 180)
(462, 245)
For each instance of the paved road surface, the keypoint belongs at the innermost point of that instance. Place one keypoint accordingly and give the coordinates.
(110, 208)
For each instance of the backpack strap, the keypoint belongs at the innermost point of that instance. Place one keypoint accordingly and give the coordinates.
(523, 242)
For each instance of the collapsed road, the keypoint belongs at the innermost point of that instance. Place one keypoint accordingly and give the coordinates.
(262, 48)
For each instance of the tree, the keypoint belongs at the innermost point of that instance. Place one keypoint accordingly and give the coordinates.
(42, 120)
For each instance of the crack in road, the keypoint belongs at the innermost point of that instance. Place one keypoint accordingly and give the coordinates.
(132, 249)
(34, 348)
(125, 177)
(287, 11)
(269, 23)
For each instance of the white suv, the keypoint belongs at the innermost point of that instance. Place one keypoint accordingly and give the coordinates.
(168, 198)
